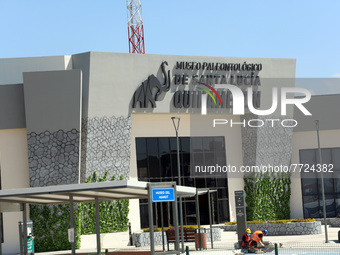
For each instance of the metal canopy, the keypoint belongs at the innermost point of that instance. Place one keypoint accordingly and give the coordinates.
(84, 192)
(11, 199)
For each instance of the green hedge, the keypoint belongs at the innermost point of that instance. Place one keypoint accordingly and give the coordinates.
(51, 223)
(267, 196)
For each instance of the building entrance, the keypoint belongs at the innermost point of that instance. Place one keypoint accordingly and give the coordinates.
(157, 162)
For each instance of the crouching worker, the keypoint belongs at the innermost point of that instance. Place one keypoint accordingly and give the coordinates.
(257, 239)
(246, 239)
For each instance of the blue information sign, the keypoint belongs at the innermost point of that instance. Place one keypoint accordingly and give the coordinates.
(163, 194)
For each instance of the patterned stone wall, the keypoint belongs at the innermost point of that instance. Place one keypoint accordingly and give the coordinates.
(333, 222)
(274, 144)
(249, 141)
(293, 228)
(106, 146)
(53, 157)
(266, 145)
(143, 239)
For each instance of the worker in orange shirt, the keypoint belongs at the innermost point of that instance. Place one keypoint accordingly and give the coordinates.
(257, 238)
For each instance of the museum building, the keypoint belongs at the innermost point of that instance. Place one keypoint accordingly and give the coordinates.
(62, 118)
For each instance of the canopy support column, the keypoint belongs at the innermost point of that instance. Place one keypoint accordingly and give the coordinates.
(24, 219)
(198, 220)
(73, 246)
(210, 220)
(1, 233)
(97, 225)
(150, 211)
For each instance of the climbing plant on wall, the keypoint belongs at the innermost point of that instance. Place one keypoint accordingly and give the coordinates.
(50, 227)
(267, 196)
(51, 223)
(113, 215)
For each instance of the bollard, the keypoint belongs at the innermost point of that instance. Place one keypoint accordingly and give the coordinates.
(186, 250)
(276, 249)
(130, 235)
(106, 251)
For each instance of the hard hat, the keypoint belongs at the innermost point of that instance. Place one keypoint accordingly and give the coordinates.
(248, 230)
(265, 232)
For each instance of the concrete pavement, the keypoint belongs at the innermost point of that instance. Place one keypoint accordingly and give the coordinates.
(119, 241)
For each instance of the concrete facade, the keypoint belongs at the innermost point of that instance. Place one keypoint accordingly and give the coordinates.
(63, 118)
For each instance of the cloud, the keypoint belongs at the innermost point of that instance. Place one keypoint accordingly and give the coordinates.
(337, 75)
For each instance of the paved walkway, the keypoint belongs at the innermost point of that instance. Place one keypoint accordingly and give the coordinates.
(119, 241)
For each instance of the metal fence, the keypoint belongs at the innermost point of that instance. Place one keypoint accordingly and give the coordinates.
(311, 248)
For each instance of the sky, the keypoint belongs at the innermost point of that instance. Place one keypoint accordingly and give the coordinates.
(307, 31)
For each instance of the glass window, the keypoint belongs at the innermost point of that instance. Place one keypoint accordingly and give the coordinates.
(189, 182)
(145, 219)
(326, 156)
(164, 146)
(198, 159)
(190, 212)
(311, 207)
(208, 144)
(196, 144)
(330, 206)
(222, 182)
(211, 182)
(309, 186)
(220, 158)
(141, 145)
(222, 193)
(186, 164)
(152, 145)
(142, 165)
(219, 144)
(154, 166)
(336, 158)
(157, 162)
(311, 183)
(200, 182)
(328, 185)
(338, 205)
(173, 144)
(174, 165)
(223, 213)
(307, 157)
(337, 182)
(185, 142)
(165, 165)
(209, 159)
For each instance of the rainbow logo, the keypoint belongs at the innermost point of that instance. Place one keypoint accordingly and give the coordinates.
(208, 92)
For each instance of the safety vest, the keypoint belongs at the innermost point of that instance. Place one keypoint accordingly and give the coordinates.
(256, 236)
(247, 238)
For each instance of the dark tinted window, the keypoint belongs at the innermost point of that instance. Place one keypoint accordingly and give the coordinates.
(157, 161)
(312, 185)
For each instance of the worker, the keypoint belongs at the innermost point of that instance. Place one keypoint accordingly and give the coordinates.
(246, 239)
(257, 239)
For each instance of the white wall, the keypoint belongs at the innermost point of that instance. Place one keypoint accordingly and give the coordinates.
(14, 174)
(11, 69)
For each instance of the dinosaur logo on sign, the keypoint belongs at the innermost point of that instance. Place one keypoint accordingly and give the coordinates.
(150, 89)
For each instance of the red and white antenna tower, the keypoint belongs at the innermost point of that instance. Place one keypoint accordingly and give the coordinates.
(135, 26)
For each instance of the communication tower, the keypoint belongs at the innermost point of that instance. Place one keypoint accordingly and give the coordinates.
(135, 26)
